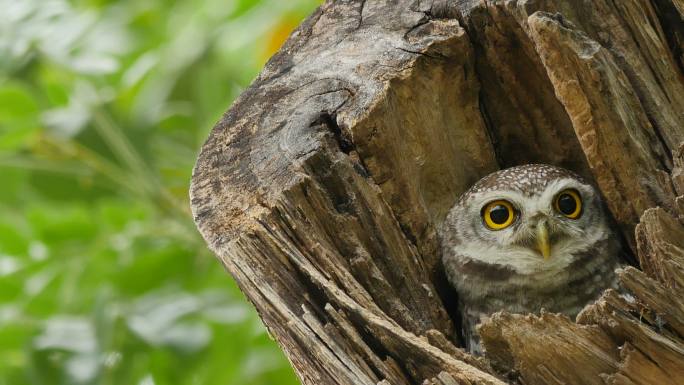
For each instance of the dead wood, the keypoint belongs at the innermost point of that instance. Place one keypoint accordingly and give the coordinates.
(320, 189)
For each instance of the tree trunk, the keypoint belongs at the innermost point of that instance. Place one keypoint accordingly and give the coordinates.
(321, 188)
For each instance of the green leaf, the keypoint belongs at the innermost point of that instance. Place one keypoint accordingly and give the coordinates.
(18, 116)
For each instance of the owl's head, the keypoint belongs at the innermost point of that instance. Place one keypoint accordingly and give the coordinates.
(533, 217)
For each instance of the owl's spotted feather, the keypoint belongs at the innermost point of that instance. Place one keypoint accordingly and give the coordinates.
(505, 269)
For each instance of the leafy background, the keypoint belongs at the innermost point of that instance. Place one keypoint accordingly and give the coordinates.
(103, 107)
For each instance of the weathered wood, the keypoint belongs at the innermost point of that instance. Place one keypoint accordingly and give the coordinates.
(608, 118)
(321, 188)
(667, 308)
(660, 240)
(546, 349)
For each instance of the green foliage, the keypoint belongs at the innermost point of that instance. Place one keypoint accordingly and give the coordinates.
(103, 107)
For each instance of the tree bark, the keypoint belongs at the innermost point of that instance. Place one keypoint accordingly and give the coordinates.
(321, 188)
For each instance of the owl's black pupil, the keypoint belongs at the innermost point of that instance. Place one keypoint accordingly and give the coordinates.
(499, 214)
(567, 204)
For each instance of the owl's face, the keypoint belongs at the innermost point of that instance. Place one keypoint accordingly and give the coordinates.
(530, 218)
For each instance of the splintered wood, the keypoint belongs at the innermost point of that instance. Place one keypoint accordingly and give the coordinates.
(321, 188)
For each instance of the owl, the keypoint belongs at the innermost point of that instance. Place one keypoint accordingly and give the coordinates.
(528, 238)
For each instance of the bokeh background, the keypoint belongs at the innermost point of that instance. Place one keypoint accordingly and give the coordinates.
(103, 108)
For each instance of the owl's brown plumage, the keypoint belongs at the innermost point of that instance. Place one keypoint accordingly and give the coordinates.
(527, 238)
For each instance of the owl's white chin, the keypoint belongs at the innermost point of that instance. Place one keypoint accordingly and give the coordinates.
(527, 261)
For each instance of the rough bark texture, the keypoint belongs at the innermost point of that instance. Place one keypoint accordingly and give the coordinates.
(320, 189)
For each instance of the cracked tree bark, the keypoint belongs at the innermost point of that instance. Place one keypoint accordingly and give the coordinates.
(320, 189)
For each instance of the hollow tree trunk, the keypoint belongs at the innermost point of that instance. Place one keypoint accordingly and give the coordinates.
(321, 187)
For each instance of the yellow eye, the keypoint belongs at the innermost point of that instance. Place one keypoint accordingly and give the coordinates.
(569, 203)
(498, 215)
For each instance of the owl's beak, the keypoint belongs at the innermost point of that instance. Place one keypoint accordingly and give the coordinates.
(543, 244)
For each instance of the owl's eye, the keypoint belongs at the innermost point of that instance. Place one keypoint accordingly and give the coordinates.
(569, 203)
(499, 214)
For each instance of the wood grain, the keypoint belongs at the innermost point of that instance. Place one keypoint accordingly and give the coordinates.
(321, 187)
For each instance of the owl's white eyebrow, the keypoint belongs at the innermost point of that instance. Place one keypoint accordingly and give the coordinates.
(481, 199)
(559, 185)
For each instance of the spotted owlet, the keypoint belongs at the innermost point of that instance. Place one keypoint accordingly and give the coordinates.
(527, 238)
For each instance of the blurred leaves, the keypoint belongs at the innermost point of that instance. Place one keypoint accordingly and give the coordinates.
(103, 107)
